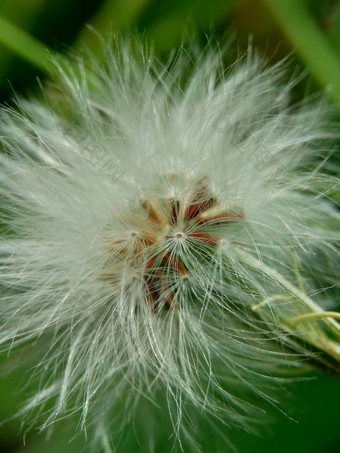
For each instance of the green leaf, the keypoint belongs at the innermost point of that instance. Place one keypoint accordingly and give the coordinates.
(308, 40)
(25, 46)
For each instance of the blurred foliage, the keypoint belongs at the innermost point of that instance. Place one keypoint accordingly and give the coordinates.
(314, 34)
(55, 23)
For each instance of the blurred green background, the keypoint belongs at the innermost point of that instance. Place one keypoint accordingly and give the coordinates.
(309, 30)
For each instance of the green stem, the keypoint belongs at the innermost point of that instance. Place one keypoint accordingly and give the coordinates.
(315, 335)
(309, 42)
(307, 316)
(273, 274)
(24, 45)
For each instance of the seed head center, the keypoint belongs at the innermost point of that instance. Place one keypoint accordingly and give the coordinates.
(162, 264)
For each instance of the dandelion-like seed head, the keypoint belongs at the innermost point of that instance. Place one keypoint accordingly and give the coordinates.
(166, 243)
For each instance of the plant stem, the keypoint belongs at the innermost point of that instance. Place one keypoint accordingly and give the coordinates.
(325, 314)
(297, 293)
(24, 45)
(308, 40)
(317, 338)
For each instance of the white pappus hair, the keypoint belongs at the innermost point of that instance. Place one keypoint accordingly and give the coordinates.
(166, 242)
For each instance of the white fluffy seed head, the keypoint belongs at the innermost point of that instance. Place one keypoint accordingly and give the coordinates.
(144, 216)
